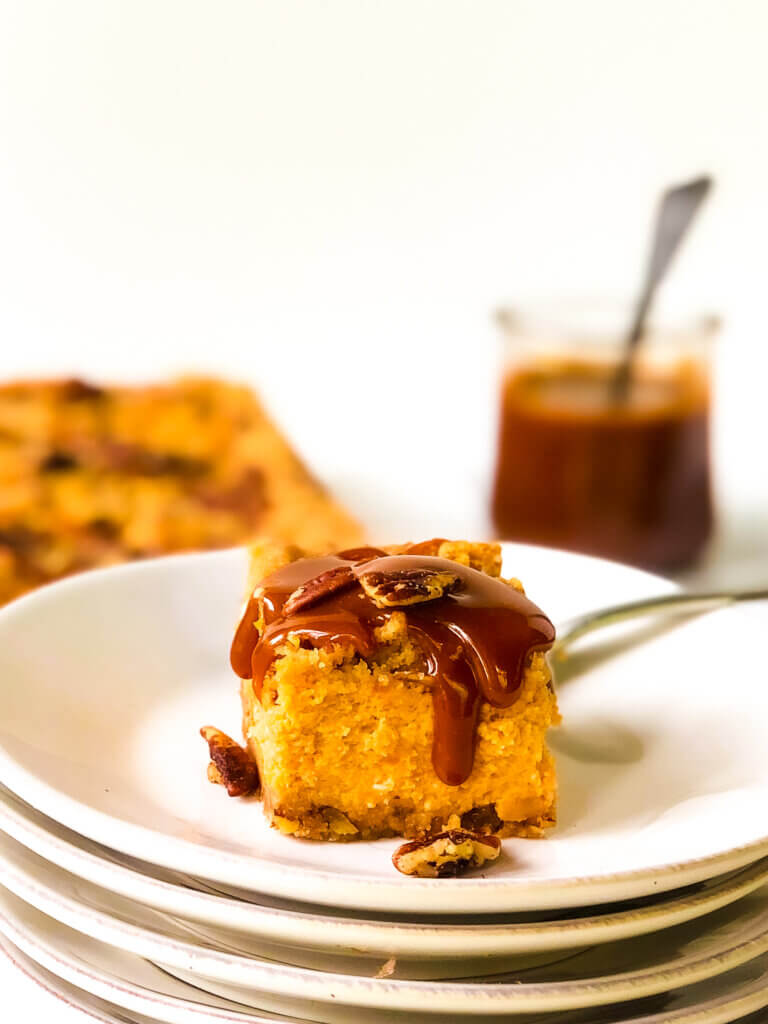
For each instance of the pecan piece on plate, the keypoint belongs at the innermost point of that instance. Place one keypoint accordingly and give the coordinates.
(447, 854)
(322, 586)
(398, 587)
(231, 765)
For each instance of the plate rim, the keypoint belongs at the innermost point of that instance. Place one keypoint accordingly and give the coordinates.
(29, 886)
(387, 938)
(99, 984)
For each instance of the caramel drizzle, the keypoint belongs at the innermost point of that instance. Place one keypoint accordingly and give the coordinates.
(476, 641)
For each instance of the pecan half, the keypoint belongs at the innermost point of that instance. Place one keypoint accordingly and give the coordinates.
(231, 765)
(338, 823)
(447, 854)
(482, 819)
(322, 586)
(396, 588)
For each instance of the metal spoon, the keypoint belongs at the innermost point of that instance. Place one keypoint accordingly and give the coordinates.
(574, 629)
(677, 209)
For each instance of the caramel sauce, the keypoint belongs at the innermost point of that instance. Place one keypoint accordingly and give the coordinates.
(475, 641)
(628, 480)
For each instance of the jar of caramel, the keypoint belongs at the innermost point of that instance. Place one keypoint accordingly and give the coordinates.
(580, 467)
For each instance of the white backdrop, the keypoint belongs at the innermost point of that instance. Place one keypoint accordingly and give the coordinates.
(328, 197)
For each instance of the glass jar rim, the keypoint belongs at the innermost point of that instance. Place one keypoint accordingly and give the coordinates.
(598, 320)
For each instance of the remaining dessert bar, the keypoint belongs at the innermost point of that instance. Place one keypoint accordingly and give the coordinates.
(396, 692)
(92, 475)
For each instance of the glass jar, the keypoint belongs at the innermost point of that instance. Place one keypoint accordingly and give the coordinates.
(627, 478)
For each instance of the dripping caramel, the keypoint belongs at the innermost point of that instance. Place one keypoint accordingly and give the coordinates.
(476, 641)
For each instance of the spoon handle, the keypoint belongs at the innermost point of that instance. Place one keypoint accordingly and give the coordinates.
(578, 627)
(676, 211)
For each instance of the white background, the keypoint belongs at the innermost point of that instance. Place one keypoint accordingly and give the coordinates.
(329, 197)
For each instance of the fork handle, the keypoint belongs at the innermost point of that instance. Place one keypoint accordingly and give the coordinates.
(574, 629)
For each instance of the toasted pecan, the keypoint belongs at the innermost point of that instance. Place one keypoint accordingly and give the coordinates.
(482, 819)
(447, 854)
(397, 588)
(322, 586)
(231, 765)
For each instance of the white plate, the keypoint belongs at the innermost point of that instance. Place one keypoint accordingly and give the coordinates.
(281, 922)
(108, 676)
(74, 998)
(67, 962)
(632, 969)
(118, 979)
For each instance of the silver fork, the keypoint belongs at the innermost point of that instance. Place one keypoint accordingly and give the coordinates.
(574, 629)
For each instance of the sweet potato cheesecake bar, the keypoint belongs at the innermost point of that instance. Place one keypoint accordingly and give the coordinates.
(93, 475)
(397, 691)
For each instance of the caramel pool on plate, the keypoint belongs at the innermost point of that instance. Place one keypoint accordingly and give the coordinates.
(628, 480)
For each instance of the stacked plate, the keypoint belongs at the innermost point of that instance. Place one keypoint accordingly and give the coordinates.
(135, 889)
